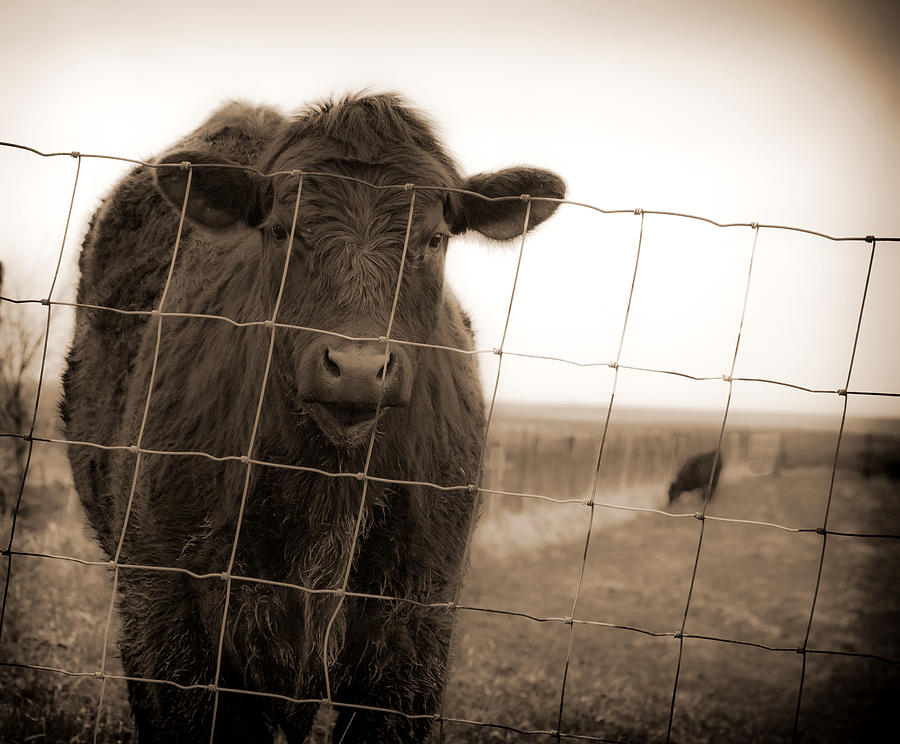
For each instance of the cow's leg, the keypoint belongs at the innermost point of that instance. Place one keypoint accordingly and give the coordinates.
(166, 713)
(359, 726)
(365, 727)
(296, 719)
(175, 654)
(402, 670)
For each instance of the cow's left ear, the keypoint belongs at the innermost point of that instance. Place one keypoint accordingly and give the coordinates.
(503, 220)
(220, 196)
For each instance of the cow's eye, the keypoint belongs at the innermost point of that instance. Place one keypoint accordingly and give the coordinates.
(279, 233)
(436, 240)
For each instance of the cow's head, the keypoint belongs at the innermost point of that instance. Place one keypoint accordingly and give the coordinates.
(349, 241)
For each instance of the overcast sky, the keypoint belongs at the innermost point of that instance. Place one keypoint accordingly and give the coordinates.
(769, 111)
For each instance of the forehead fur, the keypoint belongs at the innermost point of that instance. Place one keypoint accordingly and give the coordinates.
(356, 233)
(367, 129)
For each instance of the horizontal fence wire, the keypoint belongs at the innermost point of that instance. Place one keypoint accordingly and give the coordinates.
(469, 487)
(295, 172)
(465, 352)
(115, 565)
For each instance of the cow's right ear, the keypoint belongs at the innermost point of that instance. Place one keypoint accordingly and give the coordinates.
(221, 195)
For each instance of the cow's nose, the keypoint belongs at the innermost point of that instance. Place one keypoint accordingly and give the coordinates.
(356, 372)
(358, 369)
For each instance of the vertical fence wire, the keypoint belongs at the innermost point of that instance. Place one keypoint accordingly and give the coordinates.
(37, 400)
(473, 518)
(345, 580)
(824, 530)
(595, 479)
(249, 465)
(116, 560)
(708, 488)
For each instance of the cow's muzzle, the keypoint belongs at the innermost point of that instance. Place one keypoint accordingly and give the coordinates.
(346, 386)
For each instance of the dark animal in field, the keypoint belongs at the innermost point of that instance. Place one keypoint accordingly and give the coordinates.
(694, 474)
(324, 395)
(880, 456)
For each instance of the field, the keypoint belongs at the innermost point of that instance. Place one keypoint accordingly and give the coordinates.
(754, 585)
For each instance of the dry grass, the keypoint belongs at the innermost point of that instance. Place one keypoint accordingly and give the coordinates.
(56, 615)
(754, 584)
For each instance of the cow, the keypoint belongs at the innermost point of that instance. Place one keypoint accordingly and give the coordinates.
(309, 513)
(695, 474)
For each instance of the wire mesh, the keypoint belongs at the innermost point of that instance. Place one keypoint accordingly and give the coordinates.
(591, 504)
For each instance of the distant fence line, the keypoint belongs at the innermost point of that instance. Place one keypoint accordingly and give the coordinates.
(547, 459)
(590, 501)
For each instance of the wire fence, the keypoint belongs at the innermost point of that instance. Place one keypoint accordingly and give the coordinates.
(591, 503)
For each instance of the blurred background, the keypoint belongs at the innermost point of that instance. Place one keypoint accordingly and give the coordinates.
(778, 113)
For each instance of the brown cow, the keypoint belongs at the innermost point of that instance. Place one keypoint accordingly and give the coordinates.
(324, 395)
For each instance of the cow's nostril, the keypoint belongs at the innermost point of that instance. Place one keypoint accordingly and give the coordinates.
(354, 373)
(332, 368)
(387, 367)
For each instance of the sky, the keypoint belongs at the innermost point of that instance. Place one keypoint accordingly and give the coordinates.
(769, 111)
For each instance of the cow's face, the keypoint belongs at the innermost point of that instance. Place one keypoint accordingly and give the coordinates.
(354, 260)
(365, 263)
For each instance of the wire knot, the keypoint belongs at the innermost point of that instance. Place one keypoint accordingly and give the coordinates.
(638, 210)
(727, 378)
(245, 460)
(296, 172)
(870, 238)
(409, 187)
(699, 515)
(525, 197)
(754, 226)
(269, 323)
(841, 391)
(612, 365)
(588, 500)
(471, 488)
(45, 301)
(75, 154)
(452, 606)
(497, 350)
(382, 339)
(360, 476)
(185, 165)
(568, 620)
(134, 449)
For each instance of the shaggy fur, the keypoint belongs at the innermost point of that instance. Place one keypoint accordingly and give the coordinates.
(694, 474)
(297, 527)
